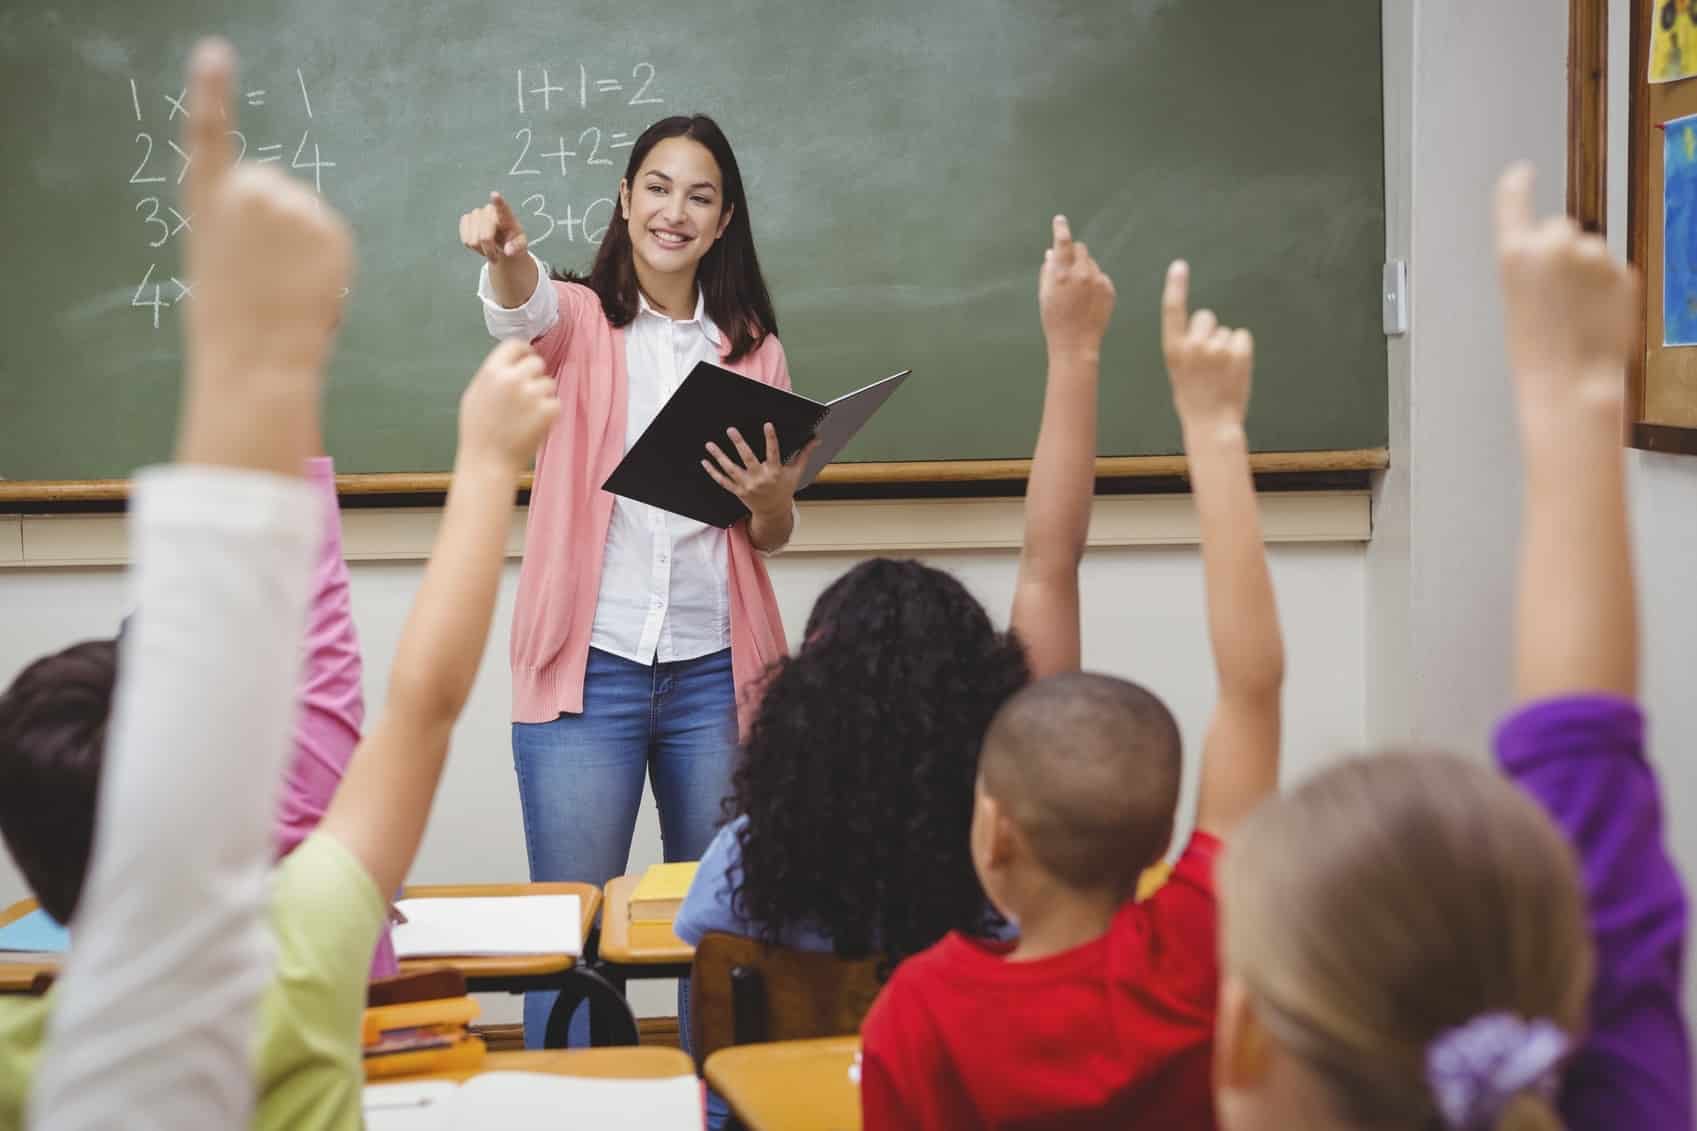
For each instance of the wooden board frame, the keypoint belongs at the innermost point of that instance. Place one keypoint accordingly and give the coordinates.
(1588, 136)
(846, 475)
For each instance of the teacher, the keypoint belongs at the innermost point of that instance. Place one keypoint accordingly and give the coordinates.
(635, 628)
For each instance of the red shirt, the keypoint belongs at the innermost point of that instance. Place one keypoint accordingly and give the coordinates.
(1116, 1030)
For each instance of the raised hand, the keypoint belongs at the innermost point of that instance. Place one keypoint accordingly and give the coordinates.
(1074, 296)
(507, 408)
(765, 486)
(269, 262)
(1571, 308)
(493, 231)
(1209, 365)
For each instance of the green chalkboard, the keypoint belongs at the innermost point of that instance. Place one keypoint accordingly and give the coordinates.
(903, 160)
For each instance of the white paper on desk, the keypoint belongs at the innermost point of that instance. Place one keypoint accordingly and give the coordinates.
(405, 1106)
(483, 926)
(534, 1101)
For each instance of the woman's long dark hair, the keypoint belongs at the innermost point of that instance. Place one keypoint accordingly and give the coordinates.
(857, 777)
(732, 287)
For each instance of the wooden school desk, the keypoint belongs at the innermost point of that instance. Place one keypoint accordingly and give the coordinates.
(615, 955)
(19, 977)
(611, 1019)
(647, 1063)
(790, 1085)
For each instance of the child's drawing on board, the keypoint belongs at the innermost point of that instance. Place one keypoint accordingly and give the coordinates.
(1673, 40)
(1679, 232)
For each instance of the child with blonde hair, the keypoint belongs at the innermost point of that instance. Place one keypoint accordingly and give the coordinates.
(1410, 941)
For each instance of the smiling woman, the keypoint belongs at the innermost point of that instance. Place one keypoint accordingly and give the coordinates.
(635, 629)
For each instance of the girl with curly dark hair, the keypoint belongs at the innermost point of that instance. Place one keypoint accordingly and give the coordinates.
(851, 805)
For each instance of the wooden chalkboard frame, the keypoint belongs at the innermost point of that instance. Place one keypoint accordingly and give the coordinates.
(1587, 143)
(1360, 461)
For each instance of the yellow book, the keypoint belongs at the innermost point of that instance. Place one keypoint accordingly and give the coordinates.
(653, 936)
(660, 892)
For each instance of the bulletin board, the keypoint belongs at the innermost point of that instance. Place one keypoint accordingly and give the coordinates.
(1662, 223)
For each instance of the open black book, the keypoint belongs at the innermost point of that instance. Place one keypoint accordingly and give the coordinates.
(663, 468)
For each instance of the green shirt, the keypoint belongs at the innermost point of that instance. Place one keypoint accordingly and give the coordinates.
(325, 916)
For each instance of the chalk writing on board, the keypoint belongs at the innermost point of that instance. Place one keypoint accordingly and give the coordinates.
(162, 223)
(601, 91)
(554, 140)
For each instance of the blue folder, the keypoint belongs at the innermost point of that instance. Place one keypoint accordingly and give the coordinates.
(34, 932)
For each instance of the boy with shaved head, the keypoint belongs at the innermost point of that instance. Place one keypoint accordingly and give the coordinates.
(1101, 1014)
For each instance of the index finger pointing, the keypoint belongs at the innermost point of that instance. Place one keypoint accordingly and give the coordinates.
(206, 133)
(1175, 302)
(1514, 200)
(502, 209)
(1063, 240)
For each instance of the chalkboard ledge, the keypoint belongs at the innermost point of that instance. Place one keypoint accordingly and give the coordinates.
(1345, 470)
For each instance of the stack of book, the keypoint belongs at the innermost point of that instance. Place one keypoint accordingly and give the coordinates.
(420, 1024)
(654, 904)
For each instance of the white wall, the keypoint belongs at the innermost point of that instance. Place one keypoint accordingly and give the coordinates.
(1664, 513)
(1143, 620)
(1469, 86)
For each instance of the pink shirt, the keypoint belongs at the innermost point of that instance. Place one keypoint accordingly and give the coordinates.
(331, 704)
(569, 514)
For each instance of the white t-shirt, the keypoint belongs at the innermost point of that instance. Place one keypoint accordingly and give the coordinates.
(154, 1016)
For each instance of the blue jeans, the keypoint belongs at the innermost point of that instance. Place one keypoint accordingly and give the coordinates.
(580, 779)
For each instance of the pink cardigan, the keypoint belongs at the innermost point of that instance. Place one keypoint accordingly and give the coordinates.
(569, 512)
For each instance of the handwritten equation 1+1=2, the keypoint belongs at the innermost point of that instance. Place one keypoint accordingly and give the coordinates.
(162, 222)
(543, 98)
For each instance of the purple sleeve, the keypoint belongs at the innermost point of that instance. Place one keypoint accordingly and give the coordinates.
(1582, 758)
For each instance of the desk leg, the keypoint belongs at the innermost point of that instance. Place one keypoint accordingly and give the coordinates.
(611, 1021)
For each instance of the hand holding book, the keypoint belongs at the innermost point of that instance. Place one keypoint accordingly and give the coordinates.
(765, 486)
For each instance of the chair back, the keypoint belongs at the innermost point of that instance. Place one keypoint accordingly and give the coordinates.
(743, 991)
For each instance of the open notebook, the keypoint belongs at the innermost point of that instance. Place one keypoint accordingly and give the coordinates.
(531, 1101)
(489, 925)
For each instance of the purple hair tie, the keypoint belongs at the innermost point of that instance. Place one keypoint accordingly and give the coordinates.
(1475, 1069)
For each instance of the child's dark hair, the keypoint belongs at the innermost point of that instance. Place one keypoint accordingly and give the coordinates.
(1088, 766)
(732, 288)
(52, 747)
(858, 772)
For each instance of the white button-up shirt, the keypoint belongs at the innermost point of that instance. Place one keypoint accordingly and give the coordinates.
(665, 582)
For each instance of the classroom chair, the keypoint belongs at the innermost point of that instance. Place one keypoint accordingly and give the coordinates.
(743, 991)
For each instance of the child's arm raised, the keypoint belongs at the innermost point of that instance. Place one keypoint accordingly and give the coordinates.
(1577, 741)
(1076, 300)
(1210, 370)
(154, 1016)
(1570, 311)
(380, 811)
(332, 707)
